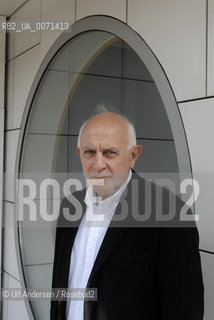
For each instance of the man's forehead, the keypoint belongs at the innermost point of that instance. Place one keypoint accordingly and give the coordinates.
(100, 144)
(104, 133)
(102, 140)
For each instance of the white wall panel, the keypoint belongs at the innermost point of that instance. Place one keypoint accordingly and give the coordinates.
(9, 95)
(112, 8)
(25, 68)
(2, 121)
(2, 41)
(13, 309)
(16, 309)
(207, 261)
(4, 306)
(9, 252)
(22, 41)
(55, 11)
(210, 52)
(11, 40)
(2, 75)
(198, 121)
(2, 64)
(175, 31)
(8, 7)
(11, 141)
(2, 114)
(204, 207)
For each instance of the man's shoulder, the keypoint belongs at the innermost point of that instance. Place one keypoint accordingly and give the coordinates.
(155, 205)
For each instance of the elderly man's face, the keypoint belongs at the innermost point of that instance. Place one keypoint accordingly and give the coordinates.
(104, 153)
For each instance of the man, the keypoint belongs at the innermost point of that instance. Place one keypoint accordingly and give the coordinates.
(141, 268)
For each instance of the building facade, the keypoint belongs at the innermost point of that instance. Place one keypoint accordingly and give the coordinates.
(152, 60)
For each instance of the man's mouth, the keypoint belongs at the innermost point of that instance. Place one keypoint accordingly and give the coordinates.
(98, 177)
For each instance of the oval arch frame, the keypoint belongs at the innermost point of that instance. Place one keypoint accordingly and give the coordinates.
(136, 42)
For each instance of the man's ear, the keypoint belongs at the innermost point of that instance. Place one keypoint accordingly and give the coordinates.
(135, 152)
(78, 150)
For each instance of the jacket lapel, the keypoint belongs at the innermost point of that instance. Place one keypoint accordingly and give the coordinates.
(110, 241)
(114, 233)
(112, 238)
(116, 229)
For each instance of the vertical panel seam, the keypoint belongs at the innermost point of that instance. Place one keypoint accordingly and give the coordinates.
(206, 48)
(75, 11)
(2, 137)
(126, 11)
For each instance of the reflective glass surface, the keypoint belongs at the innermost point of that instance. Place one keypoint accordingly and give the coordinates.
(92, 68)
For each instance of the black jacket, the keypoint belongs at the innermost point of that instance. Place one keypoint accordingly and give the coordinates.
(148, 270)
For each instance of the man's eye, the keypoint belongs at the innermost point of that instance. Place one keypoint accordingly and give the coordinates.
(110, 152)
(89, 151)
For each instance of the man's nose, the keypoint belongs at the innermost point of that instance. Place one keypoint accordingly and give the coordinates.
(99, 162)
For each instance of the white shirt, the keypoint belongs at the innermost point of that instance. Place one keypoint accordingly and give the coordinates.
(87, 243)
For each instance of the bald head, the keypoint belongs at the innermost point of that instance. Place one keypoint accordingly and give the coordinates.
(111, 119)
(104, 153)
